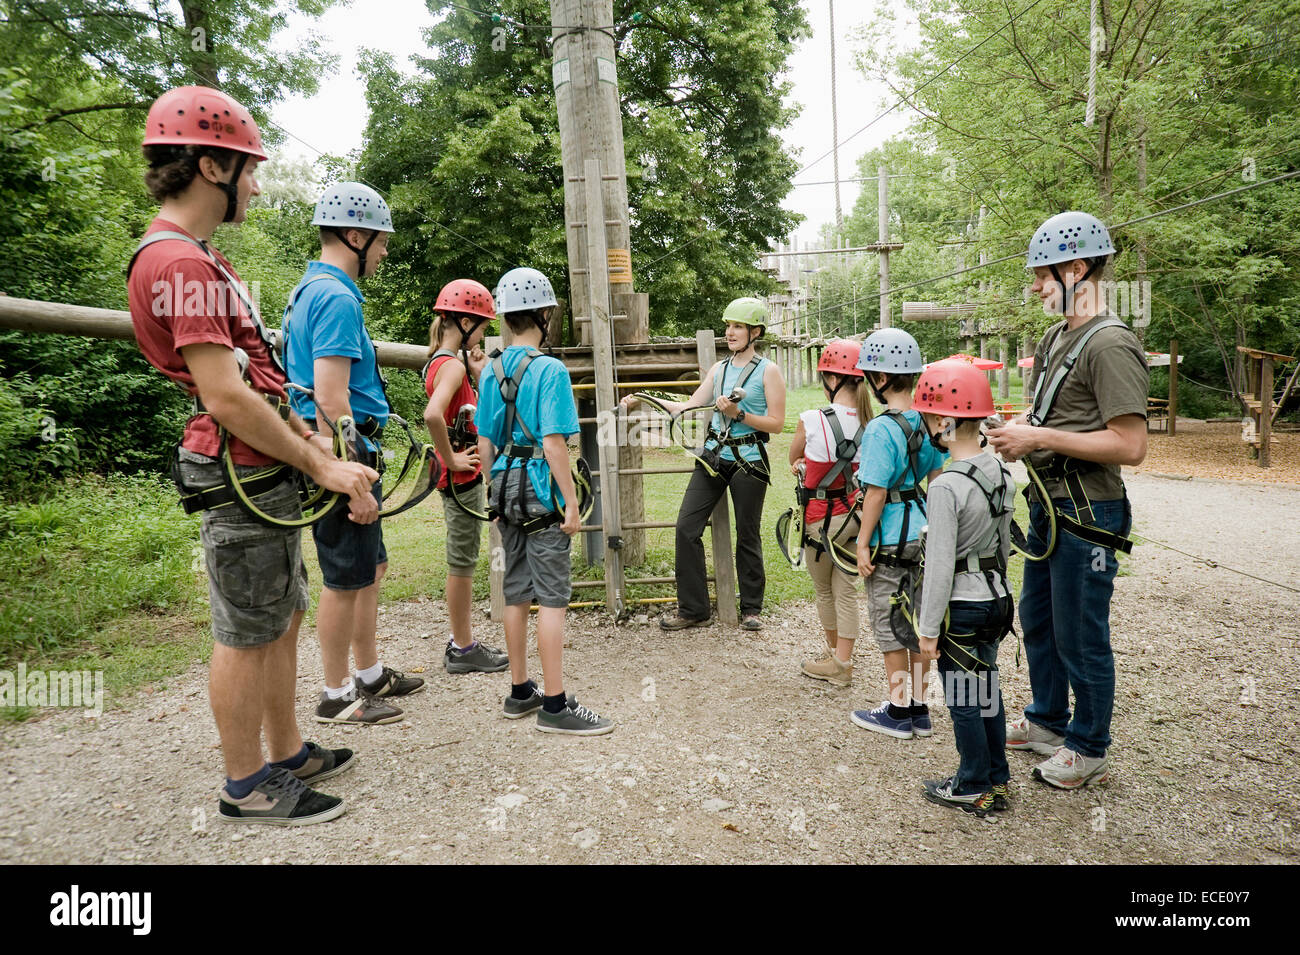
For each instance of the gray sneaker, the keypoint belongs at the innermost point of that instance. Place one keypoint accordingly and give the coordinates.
(574, 720)
(514, 709)
(281, 799)
(1024, 734)
(480, 658)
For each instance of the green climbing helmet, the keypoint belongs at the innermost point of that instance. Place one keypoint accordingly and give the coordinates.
(746, 311)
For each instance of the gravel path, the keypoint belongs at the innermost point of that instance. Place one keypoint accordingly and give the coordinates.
(724, 752)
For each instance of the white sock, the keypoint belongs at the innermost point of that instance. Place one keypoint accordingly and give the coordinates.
(342, 693)
(370, 674)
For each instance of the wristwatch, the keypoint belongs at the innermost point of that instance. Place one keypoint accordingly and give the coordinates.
(740, 418)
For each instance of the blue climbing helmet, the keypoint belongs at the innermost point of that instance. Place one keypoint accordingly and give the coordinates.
(1065, 237)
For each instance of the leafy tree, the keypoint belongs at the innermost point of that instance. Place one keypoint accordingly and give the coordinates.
(1191, 97)
(469, 151)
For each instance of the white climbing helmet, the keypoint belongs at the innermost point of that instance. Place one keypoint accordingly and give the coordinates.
(523, 289)
(1066, 237)
(891, 351)
(353, 205)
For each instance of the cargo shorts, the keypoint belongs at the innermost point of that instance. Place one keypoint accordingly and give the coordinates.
(256, 576)
(537, 565)
(881, 586)
(464, 533)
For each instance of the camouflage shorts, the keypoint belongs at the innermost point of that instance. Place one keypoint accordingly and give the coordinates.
(256, 577)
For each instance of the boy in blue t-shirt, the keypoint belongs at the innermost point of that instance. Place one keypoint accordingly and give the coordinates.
(328, 349)
(894, 458)
(525, 416)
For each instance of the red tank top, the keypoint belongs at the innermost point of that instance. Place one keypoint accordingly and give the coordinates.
(464, 396)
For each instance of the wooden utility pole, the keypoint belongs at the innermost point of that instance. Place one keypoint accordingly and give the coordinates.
(835, 128)
(591, 128)
(882, 214)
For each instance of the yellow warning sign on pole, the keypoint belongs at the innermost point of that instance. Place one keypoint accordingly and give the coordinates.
(620, 265)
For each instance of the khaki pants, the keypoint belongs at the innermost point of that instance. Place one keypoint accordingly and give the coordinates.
(837, 592)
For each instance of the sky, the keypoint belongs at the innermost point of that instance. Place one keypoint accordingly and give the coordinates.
(332, 121)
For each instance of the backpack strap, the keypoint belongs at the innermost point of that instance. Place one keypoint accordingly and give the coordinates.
(1045, 394)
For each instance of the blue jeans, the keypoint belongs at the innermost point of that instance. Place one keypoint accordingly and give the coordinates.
(1065, 618)
(975, 703)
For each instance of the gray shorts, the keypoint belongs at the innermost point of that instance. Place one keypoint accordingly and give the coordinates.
(882, 585)
(464, 533)
(256, 577)
(537, 565)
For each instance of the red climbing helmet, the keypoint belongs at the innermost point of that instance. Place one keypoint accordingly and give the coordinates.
(202, 116)
(840, 357)
(467, 297)
(954, 388)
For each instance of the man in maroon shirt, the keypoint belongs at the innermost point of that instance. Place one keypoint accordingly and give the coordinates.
(196, 322)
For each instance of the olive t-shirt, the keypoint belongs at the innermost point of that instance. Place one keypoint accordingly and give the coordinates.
(1109, 379)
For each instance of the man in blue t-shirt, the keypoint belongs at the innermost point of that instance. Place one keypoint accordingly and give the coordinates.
(328, 350)
(892, 462)
(525, 416)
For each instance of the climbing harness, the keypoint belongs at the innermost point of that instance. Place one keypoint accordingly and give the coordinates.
(712, 457)
(984, 557)
(1062, 468)
(789, 527)
(524, 452)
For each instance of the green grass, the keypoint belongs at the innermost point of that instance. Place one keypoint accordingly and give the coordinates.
(101, 574)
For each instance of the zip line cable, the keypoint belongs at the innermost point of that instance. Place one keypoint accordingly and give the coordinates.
(1214, 564)
(903, 99)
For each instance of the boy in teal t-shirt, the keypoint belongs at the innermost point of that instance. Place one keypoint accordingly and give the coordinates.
(894, 459)
(525, 416)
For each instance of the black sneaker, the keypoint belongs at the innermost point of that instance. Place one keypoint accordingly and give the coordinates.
(360, 709)
(281, 799)
(392, 683)
(574, 720)
(514, 709)
(323, 763)
(480, 659)
(941, 791)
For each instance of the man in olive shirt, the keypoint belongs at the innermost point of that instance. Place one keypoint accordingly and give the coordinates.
(1076, 442)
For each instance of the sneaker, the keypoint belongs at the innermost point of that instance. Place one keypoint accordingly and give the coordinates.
(281, 799)
(879, 721)
(514, 709)
(921, 725)
(940, 791)
(323, 763)
(392, 683)
(1024, 734)
(1001, 802)
(678, 622)
(479, 659)
(751, 621)
(574, 720)
(830, 669)
(362, 709)
(1070, 770)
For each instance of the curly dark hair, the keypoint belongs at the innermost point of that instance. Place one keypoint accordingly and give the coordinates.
(173, 168)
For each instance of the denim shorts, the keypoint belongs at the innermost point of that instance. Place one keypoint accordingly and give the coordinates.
(537, 565)
(349, 553)
(256, 577)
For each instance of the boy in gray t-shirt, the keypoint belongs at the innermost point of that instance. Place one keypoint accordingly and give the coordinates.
(966, 607)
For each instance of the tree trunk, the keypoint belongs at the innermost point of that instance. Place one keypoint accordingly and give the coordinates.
(201, 56)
